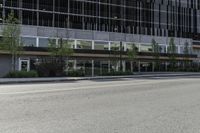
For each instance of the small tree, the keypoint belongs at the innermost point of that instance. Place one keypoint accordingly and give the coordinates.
(132, 54)
(61, 52)
(156, 53)
(172, 53)
(11, 38)
(186, 52)
(115, 50)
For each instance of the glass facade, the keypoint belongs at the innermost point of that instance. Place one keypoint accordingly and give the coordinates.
(175, 18)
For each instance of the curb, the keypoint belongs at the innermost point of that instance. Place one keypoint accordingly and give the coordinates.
(49, 80)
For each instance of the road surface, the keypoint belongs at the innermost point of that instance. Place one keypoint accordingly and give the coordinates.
(151, 105)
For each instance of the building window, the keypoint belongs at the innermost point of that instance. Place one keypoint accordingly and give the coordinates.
(84, 44)
(71, 43)
(44, 42)
(145, 48)
(28, 41)
(115, 46)
(129, 46)
(101, 45)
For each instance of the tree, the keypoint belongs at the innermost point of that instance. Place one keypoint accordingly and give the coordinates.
(61, 52)
(156, 53)
(132, 54)
(186, 52)
(11, 38)
(115, 54)
(172, 53)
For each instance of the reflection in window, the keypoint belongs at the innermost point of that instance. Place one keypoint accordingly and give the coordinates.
(163, 49)
(115, 46)
(101, 45)
(28, 41)
(71, 43)
(84, 44)
(145, 48)
(44, 42)
(129, 46)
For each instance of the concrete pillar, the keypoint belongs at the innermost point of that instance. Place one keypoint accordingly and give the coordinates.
(53, 21)
(92, 45)
(37, 12)
(75, 46)
(109, 66)
(92, 68)
(124, 66)
(166, 66)
(3, 15)
(153, 67)
(37, 42)
(109, 46)
(75, 64)
(131, 66)
(20, 11)
(139, 69)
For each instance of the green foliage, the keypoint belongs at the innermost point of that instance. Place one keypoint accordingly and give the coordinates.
(50, 69)
(156, 53)
(132, 53)
(186, 50)
(172, 53)
(11, 38)
(60, 52)
(172, 47)
(76, 73)
(62, 49)
(22, 74)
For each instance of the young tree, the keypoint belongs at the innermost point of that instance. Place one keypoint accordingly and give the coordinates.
(11, 38)
(115, 50)
(156, 51)
(132, 54)
(186, 52)
(172, 53)
(61, 52)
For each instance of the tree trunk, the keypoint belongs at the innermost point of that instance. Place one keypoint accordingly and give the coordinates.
(13, 62)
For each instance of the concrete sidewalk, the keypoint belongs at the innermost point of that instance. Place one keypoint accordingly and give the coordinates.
(68, 79)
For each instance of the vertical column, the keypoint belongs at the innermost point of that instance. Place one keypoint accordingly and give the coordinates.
(139, 69)
(83, 21)
(92, 68)
(93, 45)
(124, 66)
(53, 21)
(166, 69)
(179, 49)
(109, 47)
(131, 66)
(75, 64)
(4, 14)
(37, 42)
(68, 11)
(20, 11)
(75, 46)
(139, 45)
(109, 66)
(37, 13)
(153, 66)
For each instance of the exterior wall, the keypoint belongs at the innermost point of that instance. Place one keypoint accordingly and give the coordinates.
(5, 64)
(35, 31)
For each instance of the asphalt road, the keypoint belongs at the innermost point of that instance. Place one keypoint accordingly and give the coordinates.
(152, 105)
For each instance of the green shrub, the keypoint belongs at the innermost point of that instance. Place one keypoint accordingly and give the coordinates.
(117, 73)
(22, 74)
(76, 73)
